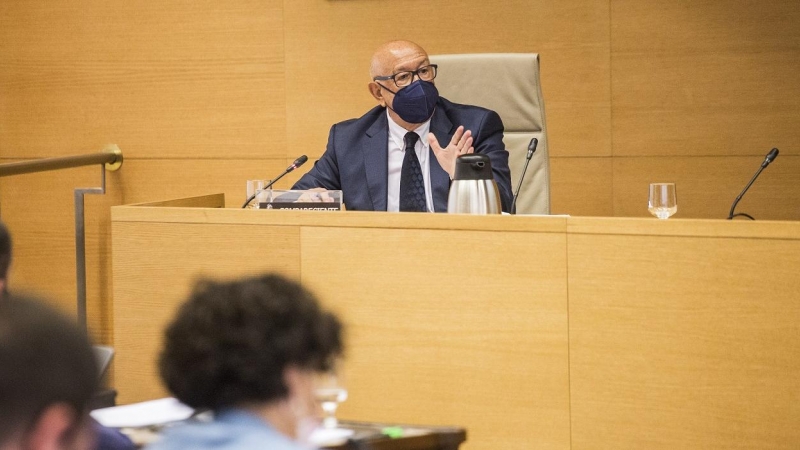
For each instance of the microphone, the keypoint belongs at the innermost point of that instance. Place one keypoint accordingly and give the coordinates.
(297, 163)
(770, 157)
(531, 151)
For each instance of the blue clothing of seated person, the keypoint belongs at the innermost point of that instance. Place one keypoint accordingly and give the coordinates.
(111, 439)
(231, 429)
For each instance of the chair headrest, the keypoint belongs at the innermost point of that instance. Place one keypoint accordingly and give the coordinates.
(507, 83)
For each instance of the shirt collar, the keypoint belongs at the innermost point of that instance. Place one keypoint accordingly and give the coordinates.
(397, 133)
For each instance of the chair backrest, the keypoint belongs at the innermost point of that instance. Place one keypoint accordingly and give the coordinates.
(103, 354)
(507, 83)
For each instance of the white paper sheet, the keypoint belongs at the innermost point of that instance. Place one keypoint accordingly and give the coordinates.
(329, 436)
(153, 412)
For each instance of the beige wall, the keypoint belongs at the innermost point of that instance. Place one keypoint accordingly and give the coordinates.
(201, 95)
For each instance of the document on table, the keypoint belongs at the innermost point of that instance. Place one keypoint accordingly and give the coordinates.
(144, 414)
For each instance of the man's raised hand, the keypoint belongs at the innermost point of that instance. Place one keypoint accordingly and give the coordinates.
(460, 144)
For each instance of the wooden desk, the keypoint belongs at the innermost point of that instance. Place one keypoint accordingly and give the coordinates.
(531, 332)
(366, 436)
(684, 334)
(370, 436)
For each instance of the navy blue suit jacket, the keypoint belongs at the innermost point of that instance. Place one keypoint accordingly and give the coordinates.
(356, 160)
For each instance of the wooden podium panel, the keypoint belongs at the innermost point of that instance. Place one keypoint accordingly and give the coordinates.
(460, 327)
(450, 319)
(684, 335)
(530, 332)
(156, 258)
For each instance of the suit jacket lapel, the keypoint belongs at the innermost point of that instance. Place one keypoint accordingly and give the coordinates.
(376, 161)
(443, 129)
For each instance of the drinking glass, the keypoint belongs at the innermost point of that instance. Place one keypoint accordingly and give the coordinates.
(329, 390)
(254, 186)
(663, 201)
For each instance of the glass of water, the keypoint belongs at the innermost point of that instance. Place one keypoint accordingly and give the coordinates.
(329, 390)
(663, 201)
(257, 187)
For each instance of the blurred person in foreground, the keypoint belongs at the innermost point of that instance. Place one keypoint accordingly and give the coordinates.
(105, 438)
(248, 350)
(48, 375)
(5, 258)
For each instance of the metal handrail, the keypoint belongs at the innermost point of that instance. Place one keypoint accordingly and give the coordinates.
(111, 159)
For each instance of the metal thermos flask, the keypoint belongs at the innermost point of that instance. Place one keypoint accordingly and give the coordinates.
(473, 190)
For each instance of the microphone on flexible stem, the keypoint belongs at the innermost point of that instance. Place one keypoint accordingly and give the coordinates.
(297, 163)
(531, 151)
(770, 157)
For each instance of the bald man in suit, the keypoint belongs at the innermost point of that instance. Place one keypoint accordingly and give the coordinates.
(366, 158)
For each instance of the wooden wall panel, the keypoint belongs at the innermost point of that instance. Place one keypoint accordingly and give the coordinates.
(581, 186)
(329, 46)
(578, 130)
(192, 92)
(172, 79)
(487, 352)
(705, 25)
(704, 77)
(707, 186)
(705, 104)
(683, 363)
(192, 177)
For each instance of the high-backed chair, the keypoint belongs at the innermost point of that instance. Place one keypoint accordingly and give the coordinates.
(507, 83)
(103, 398)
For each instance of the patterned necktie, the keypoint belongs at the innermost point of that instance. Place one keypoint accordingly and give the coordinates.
(412, 185)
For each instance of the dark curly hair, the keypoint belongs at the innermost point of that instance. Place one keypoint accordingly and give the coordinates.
(231, 341)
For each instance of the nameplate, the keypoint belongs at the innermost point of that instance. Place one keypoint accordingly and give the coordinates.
(305, 206)
(302, 200)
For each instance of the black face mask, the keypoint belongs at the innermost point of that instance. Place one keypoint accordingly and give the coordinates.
(415, 103)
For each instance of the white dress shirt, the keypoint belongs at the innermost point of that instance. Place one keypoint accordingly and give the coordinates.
(396, 154)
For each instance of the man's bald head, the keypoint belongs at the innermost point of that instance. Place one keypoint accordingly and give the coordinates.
(389, 59)
(389, 56)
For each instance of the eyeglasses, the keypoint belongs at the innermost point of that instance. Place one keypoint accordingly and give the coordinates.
(403, 79)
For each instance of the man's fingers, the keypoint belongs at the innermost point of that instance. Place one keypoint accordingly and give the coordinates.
(467, 145)
(457, 136)
(462, 143)
(464, 146)
(434, 143)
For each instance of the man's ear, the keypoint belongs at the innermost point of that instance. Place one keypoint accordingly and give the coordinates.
(53, 428)
(376, 92)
